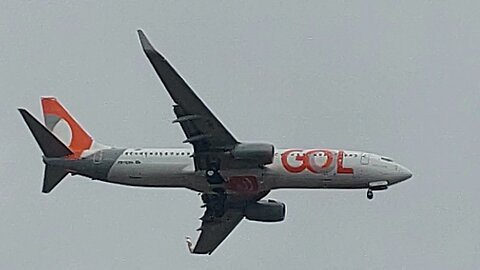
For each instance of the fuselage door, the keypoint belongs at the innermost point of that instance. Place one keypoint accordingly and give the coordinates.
(364, 159)
(136, 171)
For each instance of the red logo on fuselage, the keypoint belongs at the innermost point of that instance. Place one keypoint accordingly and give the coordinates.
(315, 161)
(243, 184)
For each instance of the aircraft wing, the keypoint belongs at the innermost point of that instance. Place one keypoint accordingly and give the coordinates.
(214, 230)
(203, 130)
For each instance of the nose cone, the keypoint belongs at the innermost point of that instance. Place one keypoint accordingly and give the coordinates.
(403, 173)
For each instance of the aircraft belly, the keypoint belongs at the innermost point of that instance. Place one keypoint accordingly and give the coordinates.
(276, 179)
(171, 174)
(276, 182)
(181, 173)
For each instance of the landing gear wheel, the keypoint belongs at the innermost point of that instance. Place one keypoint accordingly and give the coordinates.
(369, 194)
(210, 173)
(213, 177)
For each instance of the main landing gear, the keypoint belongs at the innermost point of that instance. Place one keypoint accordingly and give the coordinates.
(214, 201)
(214, 177)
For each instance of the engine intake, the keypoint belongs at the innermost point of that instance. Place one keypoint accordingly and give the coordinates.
(266, 211)
(262, 153)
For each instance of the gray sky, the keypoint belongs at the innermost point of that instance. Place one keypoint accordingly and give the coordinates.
(397, 79)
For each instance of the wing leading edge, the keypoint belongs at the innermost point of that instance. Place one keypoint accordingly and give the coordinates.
(202, 129)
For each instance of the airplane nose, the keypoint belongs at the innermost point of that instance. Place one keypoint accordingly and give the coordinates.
(403, 173)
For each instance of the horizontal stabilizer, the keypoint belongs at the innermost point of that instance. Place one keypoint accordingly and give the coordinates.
(51, 146)
(52, 176)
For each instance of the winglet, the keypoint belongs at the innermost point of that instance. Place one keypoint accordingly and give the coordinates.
(189, 243)
(146, 45)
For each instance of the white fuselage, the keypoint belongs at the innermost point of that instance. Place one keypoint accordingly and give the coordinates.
(291, 168)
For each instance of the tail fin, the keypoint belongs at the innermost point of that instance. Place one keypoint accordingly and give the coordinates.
(61, 137)
(64, 126)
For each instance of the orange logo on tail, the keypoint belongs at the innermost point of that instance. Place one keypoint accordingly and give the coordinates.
(80, 140)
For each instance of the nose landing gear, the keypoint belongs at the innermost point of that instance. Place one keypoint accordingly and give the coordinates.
(369, 194)
(378, 185)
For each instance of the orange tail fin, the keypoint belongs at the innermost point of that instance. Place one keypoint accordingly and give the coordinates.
(65, 127)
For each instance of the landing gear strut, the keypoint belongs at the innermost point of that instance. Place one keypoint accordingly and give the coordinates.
(214, 201)
(369, 194)
(213, 177)
(376, 186)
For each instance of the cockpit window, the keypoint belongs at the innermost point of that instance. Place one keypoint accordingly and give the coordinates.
(386, 159)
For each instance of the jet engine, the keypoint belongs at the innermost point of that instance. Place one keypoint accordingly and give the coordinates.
(265, 211)
(261, 153)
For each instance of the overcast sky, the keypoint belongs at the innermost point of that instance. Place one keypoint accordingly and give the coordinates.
(397, 79)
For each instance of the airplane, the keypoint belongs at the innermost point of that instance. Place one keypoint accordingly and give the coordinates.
(233, 177)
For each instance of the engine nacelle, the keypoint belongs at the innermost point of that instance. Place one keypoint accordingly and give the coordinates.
(262, 153)
(266, 211)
